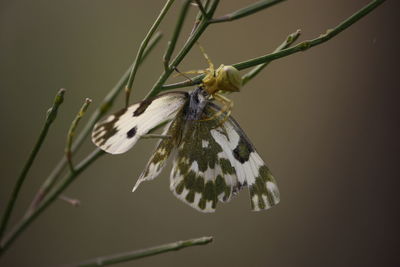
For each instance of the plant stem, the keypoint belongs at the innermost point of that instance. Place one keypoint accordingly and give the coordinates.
(71, 132)
(177, 31)
(142, 47)
(134, 255)
(97, 114)
(246, 11)
(157, 88)
(66, 181)
(50, 117)
(201, 8)
(182, 53)
(310, 43)
(288, 51)
(252, 73)
(72, 201)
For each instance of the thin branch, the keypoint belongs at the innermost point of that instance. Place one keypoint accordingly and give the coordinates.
(70, 177)
(52, 195)
(72, 201)
(288, 51)
(200, 16)
(142, 47)
(311, 43)
(246, 11)
(157, 88)
(201, 8)
(175, 35)
(252, 73)
(98, 113)
(50, 117)
(134, 255)
(71, 132)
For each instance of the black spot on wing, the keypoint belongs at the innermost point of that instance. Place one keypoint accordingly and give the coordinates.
(131, 133)
(142, 107)
(243, 150)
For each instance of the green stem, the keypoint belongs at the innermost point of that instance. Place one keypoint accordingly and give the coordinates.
(311, 43)
(51, 116)
(288, 51)
(134, 255)
(158, 87)
(256, 70)
(97, 114)
(201, 8)
(53, 195)
(246, 11)
(177, 31)
(71, 132)
(185, 49)
(142, 47)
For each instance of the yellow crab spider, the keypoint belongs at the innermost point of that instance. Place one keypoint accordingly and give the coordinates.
(223, 79)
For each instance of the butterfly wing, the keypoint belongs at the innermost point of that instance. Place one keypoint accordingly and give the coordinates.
(121, 130)
(214, 161)
(162, 151)
(251, 171)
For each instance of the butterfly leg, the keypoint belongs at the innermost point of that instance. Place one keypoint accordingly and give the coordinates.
(156, 136)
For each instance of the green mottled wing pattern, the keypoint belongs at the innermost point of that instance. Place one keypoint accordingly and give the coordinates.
(214, 161)
(251, 170)
(162, 151)
(202, 174)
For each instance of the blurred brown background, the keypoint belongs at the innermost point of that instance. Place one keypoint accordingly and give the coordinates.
(325, 120)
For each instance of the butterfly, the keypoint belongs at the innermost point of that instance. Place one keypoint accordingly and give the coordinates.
(214, 159)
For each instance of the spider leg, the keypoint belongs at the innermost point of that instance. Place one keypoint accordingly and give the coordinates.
(226, 109)
(210, 64)
(187, 72)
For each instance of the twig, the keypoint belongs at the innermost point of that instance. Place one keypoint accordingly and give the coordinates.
(252, 73)
(134, 255)
(246, 11)
(186, 48)
(98, 113)
(71, 132)
(157, 88)
(175, 35)
(72, 201)
(288, 51)
(53, 195)
(200, 16)
(310, 43)
(201, 8)
(142, 48)
(50, 117)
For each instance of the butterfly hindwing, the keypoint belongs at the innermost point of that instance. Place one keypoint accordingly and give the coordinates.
(202, 172)
(120, 131)
(250, 168)
(163, 150)
(214, 161)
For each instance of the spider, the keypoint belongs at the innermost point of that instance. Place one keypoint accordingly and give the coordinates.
(218, 81)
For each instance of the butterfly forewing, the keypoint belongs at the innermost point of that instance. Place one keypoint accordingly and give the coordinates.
(120, 131)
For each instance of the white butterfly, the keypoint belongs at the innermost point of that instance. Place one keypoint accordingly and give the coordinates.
(214, 158)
